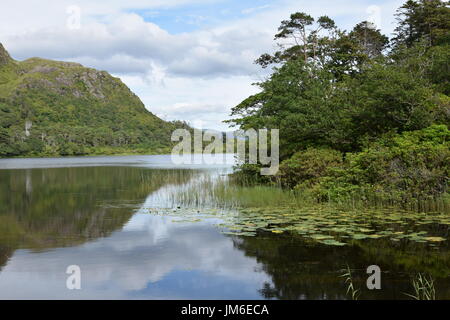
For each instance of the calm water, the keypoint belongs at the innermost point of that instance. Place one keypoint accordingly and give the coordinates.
(94, 213)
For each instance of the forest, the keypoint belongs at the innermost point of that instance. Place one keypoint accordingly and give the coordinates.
(52, 108)
(360, 114)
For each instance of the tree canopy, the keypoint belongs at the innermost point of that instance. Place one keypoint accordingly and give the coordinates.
(330, 88)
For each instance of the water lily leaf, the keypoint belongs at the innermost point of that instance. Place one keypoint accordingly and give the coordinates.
(330, 242)
(375, 236)
(359, 236)
(320, 237)
(435, 239)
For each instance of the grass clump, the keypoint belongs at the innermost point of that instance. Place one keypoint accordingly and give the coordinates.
(423, 288)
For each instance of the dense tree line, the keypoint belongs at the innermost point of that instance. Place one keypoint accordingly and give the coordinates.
(359, 112)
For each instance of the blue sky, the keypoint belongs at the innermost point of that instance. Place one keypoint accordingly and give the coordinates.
(186, 59)
(191, 17)
(195, 284)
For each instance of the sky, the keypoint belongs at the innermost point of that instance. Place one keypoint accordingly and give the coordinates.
(188, 60)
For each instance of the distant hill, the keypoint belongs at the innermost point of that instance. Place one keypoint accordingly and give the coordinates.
(52, 108)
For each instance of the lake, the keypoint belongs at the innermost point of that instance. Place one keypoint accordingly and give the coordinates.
(121, 220)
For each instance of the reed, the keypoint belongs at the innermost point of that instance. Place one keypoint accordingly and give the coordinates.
(423, 288)
(222, 192)
(351, 289)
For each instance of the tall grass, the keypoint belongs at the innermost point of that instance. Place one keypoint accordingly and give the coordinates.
(351, 289)
(423, 288)
(222, 192)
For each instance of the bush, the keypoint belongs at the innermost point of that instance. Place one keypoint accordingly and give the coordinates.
(71, 149)
(305, 168)
(413, 165)
(249, 174)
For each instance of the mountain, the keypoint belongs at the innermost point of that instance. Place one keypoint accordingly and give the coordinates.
(52, 108)
(5, 58)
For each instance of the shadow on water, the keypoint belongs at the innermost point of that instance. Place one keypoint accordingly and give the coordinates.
(277, 229)
(49, 208)
(304, 270)
(93, 217)
(107, 220)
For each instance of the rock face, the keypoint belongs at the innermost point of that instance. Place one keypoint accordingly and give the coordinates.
(65, 78)
(5, 58)
(73, 109)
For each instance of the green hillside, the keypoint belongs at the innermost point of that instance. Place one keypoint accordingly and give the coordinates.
(52, 108)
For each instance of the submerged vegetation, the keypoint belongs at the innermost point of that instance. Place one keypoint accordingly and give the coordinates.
(359, 115)
(266, 209)
(365, 161)
(254, 217)
(300, 243)
(328, 225)
(406, 240)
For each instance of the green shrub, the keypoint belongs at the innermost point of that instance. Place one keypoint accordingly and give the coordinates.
(249, 174)
(305, 168)
(414, 165)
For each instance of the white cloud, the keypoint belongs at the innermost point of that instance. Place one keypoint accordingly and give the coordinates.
(209, 69)
(148, 250)
(251, 10)
(193, 99)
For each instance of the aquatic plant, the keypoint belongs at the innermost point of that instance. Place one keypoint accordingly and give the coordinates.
(354, 293)
(225, 193)
(423, 288)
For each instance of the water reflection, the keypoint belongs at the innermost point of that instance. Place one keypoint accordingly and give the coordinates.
(150, 258)
(44, 208)
(302, 270)
(97, 217)
(90, 216)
